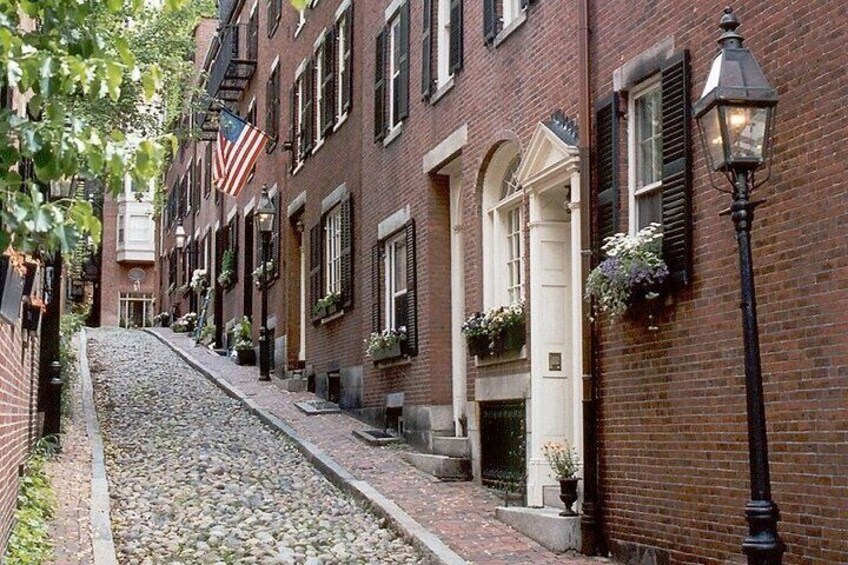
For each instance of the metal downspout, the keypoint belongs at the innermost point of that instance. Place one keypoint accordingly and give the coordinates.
(590, 522)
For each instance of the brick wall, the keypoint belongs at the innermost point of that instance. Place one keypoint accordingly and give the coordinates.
(18, 379)
(673, 437)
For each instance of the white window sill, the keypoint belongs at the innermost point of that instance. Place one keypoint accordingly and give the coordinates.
(299, 28)
(318, 145)
(402, 361)
(444, 89)
(506, 358)
(393, 134)
(510, 29)
(340, 122)
(297, 168)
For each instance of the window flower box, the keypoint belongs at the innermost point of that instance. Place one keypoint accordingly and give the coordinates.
(496, 332)
(11, 288)
(388, 344)
(327, 306)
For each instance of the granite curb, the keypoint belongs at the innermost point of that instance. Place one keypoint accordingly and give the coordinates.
(103, 546)
(402, 523)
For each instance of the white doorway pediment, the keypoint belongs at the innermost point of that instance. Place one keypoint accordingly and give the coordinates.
(548, 161)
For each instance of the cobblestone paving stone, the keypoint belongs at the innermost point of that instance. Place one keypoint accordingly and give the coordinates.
(194, 478)
(70, 477)
(462, 514)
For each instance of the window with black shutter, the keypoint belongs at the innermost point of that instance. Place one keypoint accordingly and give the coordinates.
(455, 45)
(307, 115)
(394, 298)
(207, 175)
(274, 11)
(391, 80)
(327, 117)
(294, 124)
(253, 36)
(346, 260)
(427, 51)
(272, 97)
(605, 191)
(316, 262)
(502, 16)
(343, 61)
(232, 245)
(276, 237)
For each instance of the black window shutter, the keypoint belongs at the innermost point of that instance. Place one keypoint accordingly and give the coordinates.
(380, 86)
(308, 126)
(606, 179)
(316, 246)
(276, 237)
(328, 84)
(402, 87)
(272, 104)
(346, 258)
(292, 127)
(427, 51)
(411, 292)
(677, 168)
(455, 51)
(347, 86)
(490, 20)
(376, 259)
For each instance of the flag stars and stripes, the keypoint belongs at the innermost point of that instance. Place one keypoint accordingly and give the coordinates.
(239, 145)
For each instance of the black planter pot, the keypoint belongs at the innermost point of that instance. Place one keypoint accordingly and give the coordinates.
(510, 340)
(246, 357)
(478, 345)
(31, 317)
(568, 495)
(11, 290)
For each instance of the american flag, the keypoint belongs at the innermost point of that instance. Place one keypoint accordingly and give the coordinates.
(239, 144)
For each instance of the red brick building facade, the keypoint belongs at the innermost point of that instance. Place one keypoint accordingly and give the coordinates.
(431, 161)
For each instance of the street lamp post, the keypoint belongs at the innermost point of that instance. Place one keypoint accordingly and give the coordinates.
(735, 116)
(265, 213)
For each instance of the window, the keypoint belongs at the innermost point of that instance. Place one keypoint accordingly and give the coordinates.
(448, 37)
(320, 103)
(207, 175)
(274, 9)
(344, 52)
(396, 283)
(272, 100)
(503, 229)
(659, 153)
(140, 228)
(502, 16)
(303, 121)
(253, 35)
(391, 83)
(330, 247)
(332, 251)
(135, 310)
(645, 154)
(251, 119)
(120, 230)
(393, 286)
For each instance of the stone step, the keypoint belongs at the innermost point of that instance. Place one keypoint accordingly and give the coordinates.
(441, 466)
(544, 525)
(452, 446)
(295, 384)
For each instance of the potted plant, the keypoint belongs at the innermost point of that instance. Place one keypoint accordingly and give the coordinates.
(227, 276)
(495, 332)
(185, 323)
(199, 280)
(564, 462)
(207, 335)
(388, 344)
(12, 272)
(328, 305)
(243, 346)
(632, 271)
(259, 273)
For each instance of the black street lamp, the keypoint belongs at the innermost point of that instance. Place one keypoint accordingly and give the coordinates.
(265, 213)
(735, 115)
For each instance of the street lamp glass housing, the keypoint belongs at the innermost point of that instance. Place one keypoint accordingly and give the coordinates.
(265, 212)
(736, 110)
(180, 235)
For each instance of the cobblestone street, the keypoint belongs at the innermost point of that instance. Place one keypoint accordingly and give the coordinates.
(195, 478)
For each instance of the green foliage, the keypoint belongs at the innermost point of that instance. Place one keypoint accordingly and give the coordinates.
(243, 335)
(228, 269)
(69, 325)
(30, 543)
(89, 75)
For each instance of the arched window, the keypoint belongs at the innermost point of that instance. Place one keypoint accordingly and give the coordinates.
(503, 229)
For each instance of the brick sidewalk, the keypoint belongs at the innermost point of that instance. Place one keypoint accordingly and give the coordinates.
(462, 514)
(70, 476)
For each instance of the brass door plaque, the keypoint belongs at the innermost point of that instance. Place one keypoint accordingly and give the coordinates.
(555, 361)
